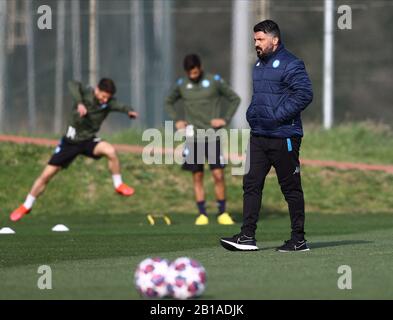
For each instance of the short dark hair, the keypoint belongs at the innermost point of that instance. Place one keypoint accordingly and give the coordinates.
(107, 85)
(191, 61)
(270, 27)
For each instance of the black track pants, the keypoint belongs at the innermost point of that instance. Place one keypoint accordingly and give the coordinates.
(283, 155)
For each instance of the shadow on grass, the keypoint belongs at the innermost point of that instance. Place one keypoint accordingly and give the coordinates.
(327, 244)
(316, 245)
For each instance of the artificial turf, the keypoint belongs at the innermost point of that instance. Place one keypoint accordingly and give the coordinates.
(348, 222)
(97, 258)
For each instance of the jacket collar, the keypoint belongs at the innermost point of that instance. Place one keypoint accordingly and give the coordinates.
(273, 54)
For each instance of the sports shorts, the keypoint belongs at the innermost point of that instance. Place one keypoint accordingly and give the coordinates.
(196, 153)
(66, 152)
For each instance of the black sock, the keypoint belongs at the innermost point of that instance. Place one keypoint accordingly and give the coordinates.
(202, 207)
(221, 205)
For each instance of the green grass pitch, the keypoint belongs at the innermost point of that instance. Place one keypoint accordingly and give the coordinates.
(348, 222)
(97, 258)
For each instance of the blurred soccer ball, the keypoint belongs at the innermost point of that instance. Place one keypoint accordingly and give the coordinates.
(186, 278)
(150, 277)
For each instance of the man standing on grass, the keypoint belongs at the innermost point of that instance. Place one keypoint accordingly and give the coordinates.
(91, 107)
(282, 90)
(201, 95)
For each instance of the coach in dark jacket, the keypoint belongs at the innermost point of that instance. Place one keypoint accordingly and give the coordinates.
(281, 91)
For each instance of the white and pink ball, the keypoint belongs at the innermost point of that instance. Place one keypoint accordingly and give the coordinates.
(150, 278)
(186, 278)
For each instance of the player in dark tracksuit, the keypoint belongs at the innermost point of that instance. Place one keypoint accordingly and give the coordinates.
(282, 90)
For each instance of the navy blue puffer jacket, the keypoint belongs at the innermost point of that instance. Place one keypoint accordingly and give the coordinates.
(281, 91)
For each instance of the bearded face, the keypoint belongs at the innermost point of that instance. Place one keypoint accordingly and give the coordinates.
(265, 44)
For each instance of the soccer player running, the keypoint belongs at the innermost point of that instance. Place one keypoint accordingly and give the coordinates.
(201, 108)
(282, 90)
(90, 108)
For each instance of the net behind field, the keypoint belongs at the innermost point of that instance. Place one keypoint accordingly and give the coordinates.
(142, 46)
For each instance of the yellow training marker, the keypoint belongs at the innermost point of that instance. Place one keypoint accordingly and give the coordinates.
(167, 220)
(152, 219)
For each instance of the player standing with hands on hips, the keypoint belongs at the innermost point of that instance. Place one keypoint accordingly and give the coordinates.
(282, 90)
(202, 108)
(91, 107)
